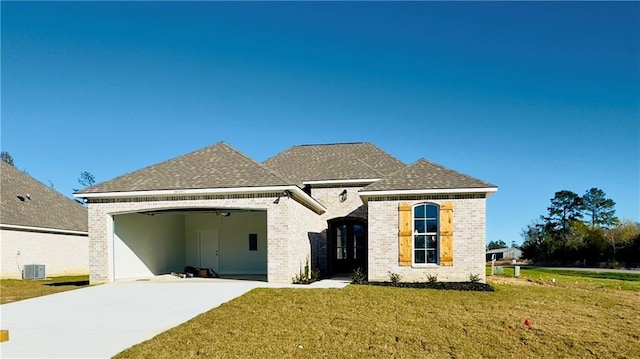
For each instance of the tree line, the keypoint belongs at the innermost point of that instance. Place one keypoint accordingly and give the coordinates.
(582, 230)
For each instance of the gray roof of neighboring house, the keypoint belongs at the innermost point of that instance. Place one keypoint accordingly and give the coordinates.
(423, 174)
(216, 166)
(27, 202)
(340, 161)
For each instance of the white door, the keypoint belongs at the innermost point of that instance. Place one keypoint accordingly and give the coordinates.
(208, 249)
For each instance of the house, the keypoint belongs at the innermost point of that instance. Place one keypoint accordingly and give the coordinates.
(336, 207)
(38, 225)
(504, 253)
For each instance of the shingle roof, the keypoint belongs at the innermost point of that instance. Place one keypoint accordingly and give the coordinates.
(39, 205)
(334, 162)
(423, 174)
(216, 166)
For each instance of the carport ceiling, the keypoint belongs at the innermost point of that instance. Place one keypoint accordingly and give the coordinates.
(225, 212)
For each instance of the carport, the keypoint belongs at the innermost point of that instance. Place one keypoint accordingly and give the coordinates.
(231, 241)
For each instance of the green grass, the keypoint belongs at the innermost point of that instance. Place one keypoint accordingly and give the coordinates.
(12, 290)
(385, 322)
(633, 277)
(579, 279)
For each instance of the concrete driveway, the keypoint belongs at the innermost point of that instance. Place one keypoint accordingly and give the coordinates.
(101, 321)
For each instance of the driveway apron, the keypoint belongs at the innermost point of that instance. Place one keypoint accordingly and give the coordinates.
(101, 321)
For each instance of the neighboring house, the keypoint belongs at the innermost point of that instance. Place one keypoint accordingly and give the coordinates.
(38, 225)
(504, 253)
(337, 206)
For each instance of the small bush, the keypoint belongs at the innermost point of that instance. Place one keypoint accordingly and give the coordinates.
(432, 278)
(304, 276)
(394, 278)
(315, 274)
(474, 278)
(358, 276)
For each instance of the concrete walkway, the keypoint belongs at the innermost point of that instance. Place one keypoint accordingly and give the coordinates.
(101, 321)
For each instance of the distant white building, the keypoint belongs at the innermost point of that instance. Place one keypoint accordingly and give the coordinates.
(504, 253)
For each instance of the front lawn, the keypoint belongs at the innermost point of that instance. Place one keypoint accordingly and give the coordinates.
(12, 290)
(577, 279)
(375, 321)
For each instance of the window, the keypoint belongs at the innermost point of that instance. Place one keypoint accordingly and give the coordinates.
(425, 233)
(253, 242)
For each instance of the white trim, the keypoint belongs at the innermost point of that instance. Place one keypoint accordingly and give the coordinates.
(342, 181)
(424, 265)
(303, 196)
(487, 190)
(43, 229)
(174, 192)
(312, 202)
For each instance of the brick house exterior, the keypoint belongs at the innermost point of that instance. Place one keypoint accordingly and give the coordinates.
(335, 207)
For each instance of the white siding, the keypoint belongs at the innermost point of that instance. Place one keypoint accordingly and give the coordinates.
(62, 254)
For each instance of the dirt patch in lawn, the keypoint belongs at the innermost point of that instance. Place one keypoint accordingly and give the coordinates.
(510, 280)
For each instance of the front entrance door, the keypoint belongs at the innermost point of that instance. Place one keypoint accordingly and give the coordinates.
(349, 245)
(208, 249)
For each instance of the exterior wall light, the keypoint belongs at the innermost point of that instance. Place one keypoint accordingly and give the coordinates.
(343, 196)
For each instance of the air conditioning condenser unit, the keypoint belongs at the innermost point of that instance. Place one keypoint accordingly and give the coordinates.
(33, 271)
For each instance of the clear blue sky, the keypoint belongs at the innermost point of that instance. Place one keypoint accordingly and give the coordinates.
(534, 97)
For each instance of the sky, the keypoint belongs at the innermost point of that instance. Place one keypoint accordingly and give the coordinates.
(534, 97)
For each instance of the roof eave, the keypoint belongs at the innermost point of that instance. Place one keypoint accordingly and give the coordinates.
(342, 181)
(43, 229)
(299, 194)
(488, 191)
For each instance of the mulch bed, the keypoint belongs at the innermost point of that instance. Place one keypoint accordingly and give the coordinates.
(466, 286)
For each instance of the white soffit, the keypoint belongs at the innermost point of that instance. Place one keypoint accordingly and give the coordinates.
(488, 191)
(43, 229)
(342, 181)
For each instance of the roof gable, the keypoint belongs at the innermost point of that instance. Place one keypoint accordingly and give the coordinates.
(341, 161)
(425, 175)
(29, 203)
(216, 166)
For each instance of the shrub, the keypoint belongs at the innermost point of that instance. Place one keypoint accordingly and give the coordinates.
(303, 276)
(315, 274)
(358, 276)
(394, 278)
(432, 278)
(474, 278)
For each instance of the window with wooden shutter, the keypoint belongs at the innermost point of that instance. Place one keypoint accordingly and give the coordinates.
(446, 234)
(404, 234)
(425, 233)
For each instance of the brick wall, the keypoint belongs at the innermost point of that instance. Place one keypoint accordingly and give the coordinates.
(329, 197)
(469, 216)
(352, 206)
(288, 227)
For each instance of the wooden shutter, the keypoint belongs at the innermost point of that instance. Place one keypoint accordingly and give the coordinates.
(446, 234)
(404, 234)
